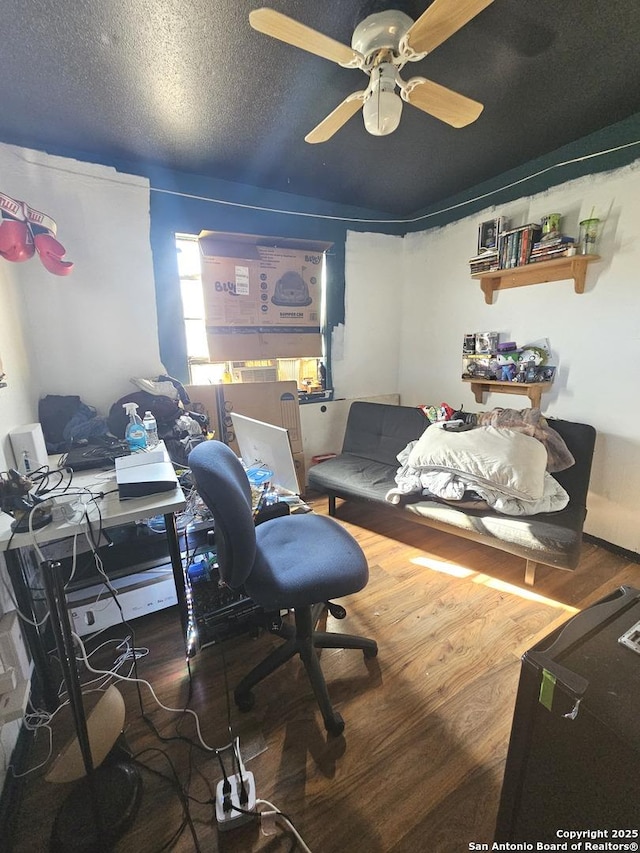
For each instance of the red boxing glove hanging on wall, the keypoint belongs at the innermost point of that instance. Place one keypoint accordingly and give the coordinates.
(24, 231)
(50, 250)
(16, 240)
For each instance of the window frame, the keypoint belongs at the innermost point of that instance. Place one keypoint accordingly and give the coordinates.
(218, 371)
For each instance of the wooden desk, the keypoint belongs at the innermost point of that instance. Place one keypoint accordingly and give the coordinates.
(108, 511)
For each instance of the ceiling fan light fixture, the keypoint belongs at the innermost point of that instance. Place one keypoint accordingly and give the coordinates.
(381, 45)
(383, 107)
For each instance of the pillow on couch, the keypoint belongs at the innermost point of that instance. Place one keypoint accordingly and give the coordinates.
(501, 459)
(532, 422)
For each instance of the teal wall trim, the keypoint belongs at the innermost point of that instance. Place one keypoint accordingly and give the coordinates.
(607, 149)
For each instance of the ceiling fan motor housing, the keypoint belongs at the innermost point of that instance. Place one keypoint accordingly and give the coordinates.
(380, 31)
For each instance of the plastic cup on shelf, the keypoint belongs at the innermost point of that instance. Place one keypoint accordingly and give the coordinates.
(588, 236)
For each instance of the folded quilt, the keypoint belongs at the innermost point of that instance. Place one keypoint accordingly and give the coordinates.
(505, 468)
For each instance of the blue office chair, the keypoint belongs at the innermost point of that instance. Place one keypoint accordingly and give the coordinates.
(294, 562)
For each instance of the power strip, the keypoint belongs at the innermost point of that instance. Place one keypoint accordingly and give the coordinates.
(226, 815)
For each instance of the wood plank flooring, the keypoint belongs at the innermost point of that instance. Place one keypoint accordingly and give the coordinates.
(420, 765)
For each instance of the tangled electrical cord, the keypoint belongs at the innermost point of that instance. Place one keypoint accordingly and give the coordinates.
(58, 482)
(271, 813)
(42, 477)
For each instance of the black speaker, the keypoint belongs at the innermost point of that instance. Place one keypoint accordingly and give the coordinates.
(574, 752)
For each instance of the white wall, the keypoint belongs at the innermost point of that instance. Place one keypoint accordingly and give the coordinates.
(365, 351)
(595, 337)
(16, 399)
(89, 332)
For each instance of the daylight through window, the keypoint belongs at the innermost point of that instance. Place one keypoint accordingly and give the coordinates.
(248, 321)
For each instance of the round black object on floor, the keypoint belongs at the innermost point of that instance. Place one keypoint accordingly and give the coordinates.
(118, 788)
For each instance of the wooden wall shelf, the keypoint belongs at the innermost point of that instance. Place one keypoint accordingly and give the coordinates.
(558, 269)
(532, 390)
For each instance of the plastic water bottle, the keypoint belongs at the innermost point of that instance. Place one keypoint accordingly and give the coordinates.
(271, 496)
(151, 429)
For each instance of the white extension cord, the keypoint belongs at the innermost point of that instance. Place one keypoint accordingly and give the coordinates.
(236, 792)
(227, 815)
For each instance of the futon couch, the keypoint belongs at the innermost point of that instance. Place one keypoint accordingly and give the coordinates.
(366, 468)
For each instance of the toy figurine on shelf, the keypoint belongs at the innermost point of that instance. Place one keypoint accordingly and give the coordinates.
(507, 365)
(508, 372)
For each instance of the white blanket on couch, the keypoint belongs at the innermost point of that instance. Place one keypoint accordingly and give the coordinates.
(506, 469)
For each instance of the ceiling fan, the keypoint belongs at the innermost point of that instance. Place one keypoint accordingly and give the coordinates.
(381, 46)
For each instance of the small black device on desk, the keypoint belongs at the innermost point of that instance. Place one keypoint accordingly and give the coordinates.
(88, 456)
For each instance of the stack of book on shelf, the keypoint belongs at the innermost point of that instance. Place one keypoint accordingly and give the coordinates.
(486, 262)
(557, 247)
(515, 246)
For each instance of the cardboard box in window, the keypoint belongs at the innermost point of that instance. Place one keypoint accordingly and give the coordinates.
(272, 402)
(261, 300)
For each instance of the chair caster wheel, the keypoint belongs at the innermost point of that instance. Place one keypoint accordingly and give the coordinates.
(245, 701)
(335, 726)
(370, 653)
(336, 610)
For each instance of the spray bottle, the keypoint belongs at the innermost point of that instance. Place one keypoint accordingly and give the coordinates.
(135, 432)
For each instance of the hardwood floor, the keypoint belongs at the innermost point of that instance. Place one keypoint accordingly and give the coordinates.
(420, 765)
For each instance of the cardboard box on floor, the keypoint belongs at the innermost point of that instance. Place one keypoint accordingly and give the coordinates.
(271, 402)
(261, 300)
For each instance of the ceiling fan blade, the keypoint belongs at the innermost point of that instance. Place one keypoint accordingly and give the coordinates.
(442, 19)
(336, 119)
(281, 27)
(448, 106)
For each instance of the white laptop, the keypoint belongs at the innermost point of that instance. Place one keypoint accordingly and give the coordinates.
(265, 444)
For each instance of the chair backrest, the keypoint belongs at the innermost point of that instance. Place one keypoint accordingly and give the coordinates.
(223, 485)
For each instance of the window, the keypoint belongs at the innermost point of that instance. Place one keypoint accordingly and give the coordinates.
(219, 324)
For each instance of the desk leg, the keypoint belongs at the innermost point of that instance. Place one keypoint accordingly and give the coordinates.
(101, 807)
(54, 590)
(179, 579)
(34, 640)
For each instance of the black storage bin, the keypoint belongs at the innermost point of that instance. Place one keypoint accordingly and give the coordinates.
(574, 751)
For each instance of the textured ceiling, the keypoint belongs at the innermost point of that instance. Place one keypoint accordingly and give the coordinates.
(189, 85)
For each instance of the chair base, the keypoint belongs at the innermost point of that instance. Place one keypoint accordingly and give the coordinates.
(304, 640)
